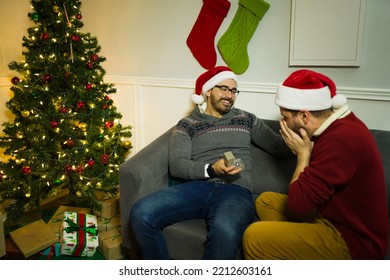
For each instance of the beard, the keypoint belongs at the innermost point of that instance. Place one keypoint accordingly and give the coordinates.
(221, 105)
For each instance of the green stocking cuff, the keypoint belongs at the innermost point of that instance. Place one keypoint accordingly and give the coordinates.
(258, 7)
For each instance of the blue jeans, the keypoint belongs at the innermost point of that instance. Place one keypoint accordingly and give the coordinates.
(227, 209)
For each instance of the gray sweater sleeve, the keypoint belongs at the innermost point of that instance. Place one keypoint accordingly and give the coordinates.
(269, 141)
(181, 164)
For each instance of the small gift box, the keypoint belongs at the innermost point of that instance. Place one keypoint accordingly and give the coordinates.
(105, 224)
(52, 251)
(109, 204)
(3, 217)
(34, 237)
(79, 235)
(110, 244)
(55, 223)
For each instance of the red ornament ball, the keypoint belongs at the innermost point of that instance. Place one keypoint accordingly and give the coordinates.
(47, 77)
(80, 105)
(91, 163)
(75, 38)
(26, 170)
(63, 110)
(15, 80)
(79, 16)
(89, 65)
(45, 36)
(68, 168)
(54, 124)
(109, 124)
(105, 158)
(94, 57)
(88, 86)
(105, 107)
(79, 169)
(70, 143)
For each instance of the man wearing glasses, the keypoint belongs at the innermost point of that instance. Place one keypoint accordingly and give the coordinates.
(214, 189)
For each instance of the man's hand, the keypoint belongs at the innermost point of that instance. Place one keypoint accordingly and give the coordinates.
(221, 169)
(300, 145)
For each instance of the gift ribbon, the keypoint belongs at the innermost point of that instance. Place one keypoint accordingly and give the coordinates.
(74, 227)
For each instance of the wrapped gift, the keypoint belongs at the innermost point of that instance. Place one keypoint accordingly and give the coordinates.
(105, 224)
(110, 244)
(33, 238)
(52, 251)
(55, 223)
(3, 217)
(109, 204)
(79, 235)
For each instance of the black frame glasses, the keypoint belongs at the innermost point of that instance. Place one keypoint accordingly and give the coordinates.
(226, 89)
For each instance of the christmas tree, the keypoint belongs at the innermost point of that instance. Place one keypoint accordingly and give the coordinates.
(66, 132)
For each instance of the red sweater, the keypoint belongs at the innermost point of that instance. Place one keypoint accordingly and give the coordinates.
(345, 183)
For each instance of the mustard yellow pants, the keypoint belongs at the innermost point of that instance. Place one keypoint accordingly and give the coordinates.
(277, 238)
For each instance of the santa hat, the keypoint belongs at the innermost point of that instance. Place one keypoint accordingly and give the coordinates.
(209, 79)
(309, 90)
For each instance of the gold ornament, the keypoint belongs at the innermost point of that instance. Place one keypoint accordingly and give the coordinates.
(83, 126)
(126, 144)
(75, 122)
(25, 113)
(79, 194)
(56, 9)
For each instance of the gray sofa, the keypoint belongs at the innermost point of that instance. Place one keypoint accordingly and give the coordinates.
(147, 172)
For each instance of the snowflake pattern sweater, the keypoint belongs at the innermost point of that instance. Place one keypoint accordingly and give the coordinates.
(201, 139)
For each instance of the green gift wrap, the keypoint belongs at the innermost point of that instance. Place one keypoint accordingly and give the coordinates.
(79, 235)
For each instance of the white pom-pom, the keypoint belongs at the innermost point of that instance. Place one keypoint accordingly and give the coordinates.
(197, 99)
(338, 101)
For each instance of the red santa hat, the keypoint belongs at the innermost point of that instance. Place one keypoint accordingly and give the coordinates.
(309, 90)
(209, 79)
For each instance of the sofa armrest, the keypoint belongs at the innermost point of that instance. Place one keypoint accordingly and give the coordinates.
(144, 173)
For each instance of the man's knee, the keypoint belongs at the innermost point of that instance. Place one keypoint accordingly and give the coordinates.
(140, 212)
(271, 206)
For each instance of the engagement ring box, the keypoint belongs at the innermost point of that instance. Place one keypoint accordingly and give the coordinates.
(231, 160)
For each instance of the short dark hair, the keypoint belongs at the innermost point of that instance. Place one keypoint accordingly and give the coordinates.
(318, 114)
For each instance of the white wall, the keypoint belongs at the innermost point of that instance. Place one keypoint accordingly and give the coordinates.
(148, 60)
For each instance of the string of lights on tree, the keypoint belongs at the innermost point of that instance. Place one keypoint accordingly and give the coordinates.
(66, 132)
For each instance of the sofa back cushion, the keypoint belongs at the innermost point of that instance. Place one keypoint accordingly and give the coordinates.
(382, 138)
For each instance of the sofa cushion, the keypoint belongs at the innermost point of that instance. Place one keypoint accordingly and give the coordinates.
(184, 237)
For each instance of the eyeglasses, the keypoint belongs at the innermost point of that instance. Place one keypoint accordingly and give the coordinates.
(226, 89)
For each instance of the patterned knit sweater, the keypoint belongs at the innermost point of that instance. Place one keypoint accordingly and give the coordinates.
(201, 139)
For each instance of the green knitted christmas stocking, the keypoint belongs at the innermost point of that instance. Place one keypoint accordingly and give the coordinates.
(234, 42)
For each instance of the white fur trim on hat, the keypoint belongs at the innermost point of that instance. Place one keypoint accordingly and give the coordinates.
(197, 99)
(303, 99)
(338, 101)
(221, 76)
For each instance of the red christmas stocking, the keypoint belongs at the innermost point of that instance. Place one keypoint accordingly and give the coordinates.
(201, 38)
